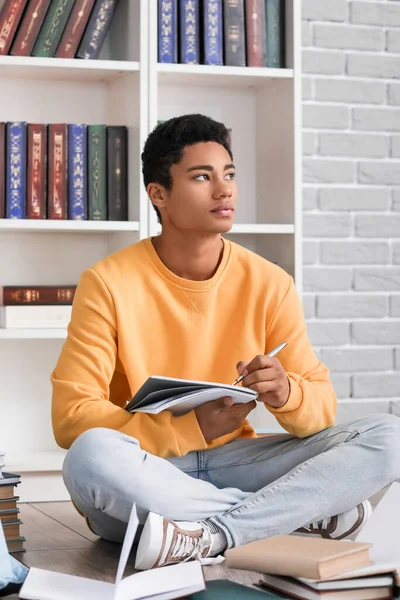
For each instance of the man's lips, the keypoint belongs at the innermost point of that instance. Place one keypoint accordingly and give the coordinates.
(224, 209)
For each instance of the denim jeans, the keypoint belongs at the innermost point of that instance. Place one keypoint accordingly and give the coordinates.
(250, 488)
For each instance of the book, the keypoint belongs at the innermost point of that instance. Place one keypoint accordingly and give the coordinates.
(36, 171)
(224, 589)
(299, 556)
(183, 395)
(97, 172)
(10, 479)
(2, 170)
(275, 33)
(7, 490)
(73, 32)
(256, 36)
(52, 28)
(57, 171)
(35, 317)
(12, 295)
(10, 16)
(167, 31)
(29, 28)
(234, 30)
(189, 32)
(8, 516)
(212, 32)
(77, 172)
(164, 583)
(12, 529)
(297, 589)
(7, 504)
(117, 173)
(96, 30)
(16, 170)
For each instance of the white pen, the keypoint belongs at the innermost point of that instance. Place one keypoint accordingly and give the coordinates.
(270, 354)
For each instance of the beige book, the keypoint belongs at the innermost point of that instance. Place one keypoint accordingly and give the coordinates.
(299, 556)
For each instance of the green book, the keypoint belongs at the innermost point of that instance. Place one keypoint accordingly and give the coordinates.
(97, 172)
(52, 28)
(275, 33)
(224, 589)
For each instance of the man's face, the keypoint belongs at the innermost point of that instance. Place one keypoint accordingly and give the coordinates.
(203, 195)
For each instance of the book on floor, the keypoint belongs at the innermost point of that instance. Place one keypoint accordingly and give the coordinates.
(180, 396)
(164, 583)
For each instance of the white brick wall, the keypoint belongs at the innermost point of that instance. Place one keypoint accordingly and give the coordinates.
(351, 197)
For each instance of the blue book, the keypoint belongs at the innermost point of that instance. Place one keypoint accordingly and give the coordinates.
(16, 170)
(77, 172)
(189, 32)
(167, 31)
(275, 31)
(213, 41)
(96, 29)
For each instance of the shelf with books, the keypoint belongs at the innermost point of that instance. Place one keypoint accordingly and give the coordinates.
(67, 226)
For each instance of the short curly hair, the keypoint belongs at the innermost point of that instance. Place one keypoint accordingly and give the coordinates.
(165, 145)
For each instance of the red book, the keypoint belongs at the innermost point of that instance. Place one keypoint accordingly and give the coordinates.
(11, 295)
(10, 17)
(74, 29)
(36, 175)
(30, 27)
(2, 169)
(57, 171)
(256, 33)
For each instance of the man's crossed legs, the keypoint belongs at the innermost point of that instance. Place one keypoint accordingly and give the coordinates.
(228, 496)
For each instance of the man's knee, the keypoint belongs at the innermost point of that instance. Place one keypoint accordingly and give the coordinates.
(387, 441)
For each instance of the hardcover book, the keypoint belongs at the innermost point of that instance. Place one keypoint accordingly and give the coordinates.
(36, 171)
(77, 172)
(52, 28)
(57, 171)
(16, 170)
(235, 41)
(74, 29)
(30, 26)
(117, 173)
(10, 17)
(275, 33)
(97, 172)
(41, 295)
(167, 31)
(212, 32)
(96, 30)
(256, 33)
(189, 32)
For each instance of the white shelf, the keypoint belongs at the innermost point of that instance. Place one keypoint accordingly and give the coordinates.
(262, 228)
(44, 225)
(64, 69)
(37, 461)
(212, 75)
(33, 334)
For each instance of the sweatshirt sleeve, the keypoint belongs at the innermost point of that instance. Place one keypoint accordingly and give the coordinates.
(311, 406)
(82, 377)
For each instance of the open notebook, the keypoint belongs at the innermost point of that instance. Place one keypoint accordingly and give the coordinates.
(163, 583)
(180, 396)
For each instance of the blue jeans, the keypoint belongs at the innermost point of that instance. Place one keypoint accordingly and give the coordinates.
(250, 488)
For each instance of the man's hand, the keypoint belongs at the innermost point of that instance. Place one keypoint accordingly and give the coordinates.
(266, 376)
(220, 417)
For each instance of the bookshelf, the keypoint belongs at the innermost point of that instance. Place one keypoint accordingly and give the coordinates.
(127, 86)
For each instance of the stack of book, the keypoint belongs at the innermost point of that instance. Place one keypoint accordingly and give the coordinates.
(55, 28)
(9, 512)
(222, 32)
(63, 171)
(36, 307)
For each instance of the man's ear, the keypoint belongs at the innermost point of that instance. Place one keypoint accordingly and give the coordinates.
(157, 194)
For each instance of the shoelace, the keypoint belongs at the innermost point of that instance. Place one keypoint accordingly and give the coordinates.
(187, 547)
(319, 524)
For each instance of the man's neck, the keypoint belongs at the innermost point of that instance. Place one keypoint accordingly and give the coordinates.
(190, 258)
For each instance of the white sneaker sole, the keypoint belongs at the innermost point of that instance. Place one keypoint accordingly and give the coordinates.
(367, 513)
(150, 542)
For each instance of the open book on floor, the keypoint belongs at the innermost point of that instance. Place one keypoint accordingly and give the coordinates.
(180, 396)
(164, 583)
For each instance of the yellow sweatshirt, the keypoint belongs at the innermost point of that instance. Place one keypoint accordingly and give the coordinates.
(133, 318)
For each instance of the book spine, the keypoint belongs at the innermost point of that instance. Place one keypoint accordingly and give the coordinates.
(10, 17)
(16, 170)
(97, 172)
(74, 29)
(213, 32)
(36, 171)
(77, 172)
(189, 32)
(53, 27)
(167, 31)
(30, 26)
(96, 30)
(33, 317)
(117, 171)
(57, 171)
(256, 33)
(2, 170)
(37, 295)
(235, 42)
(275, 33)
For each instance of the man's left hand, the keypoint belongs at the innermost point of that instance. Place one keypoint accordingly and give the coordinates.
(266, 376)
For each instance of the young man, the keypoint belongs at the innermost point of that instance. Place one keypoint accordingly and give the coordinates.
(192, 305)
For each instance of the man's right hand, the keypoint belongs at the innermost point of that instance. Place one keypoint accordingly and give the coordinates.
(220, 417)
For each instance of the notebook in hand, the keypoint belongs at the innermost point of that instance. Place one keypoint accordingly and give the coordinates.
(180, 396)
(164, 583)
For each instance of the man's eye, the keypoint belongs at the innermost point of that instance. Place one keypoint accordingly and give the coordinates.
(201, 177)
(231, 175)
